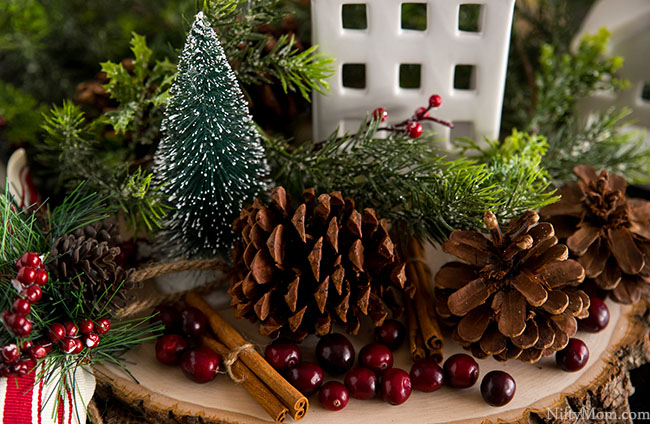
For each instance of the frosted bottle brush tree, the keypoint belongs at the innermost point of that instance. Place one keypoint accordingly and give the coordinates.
(210, 159)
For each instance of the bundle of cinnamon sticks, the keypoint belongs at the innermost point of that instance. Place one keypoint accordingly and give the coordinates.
(425, 337)
(276, 395)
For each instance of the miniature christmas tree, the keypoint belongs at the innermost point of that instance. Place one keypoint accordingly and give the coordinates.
(210, 159)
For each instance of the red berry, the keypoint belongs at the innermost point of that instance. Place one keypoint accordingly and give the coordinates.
(362, 383)
(26, 275)
(22, 327)
(461, 371)
(45, 343)
(10, 353)
(86, 326)
(8, 318)
(498, 388)
(395, 386)
(91, 340)
(37, 352)
(6, 370)
(307, 377)
(598, 317)
(169, 316)
(78, 346)
(334, 396)
(25, 345)
(335, 353)
(391, 333)
(169, 349)
(42, 277)
(282, 355)
(380, 113)
(22, 306)
(376, 357)
(193, 321)
(200, 364)
(426, 376)
(102, 327)
(435, 100)
(30, 259)
(24, 367)
(414, 129)
(68, 345)
(56, 332)
(574, 356)
(71, 329)
(422, 112)
(33, 293)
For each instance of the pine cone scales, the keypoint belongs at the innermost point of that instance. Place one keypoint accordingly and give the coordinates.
(90, 267)
(607, 233)
(299, 270)
(514, 298)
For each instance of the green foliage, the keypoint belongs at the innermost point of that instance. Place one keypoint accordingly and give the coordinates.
(210, 160)
(22, 114)
(407, 181)
(237, 22)
(141, 93)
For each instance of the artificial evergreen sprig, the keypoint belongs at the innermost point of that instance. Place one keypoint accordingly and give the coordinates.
(409, 182)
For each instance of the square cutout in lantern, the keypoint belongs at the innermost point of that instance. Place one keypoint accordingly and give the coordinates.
(354, 75)
(469, 17)
(414, 16)
(354, 16)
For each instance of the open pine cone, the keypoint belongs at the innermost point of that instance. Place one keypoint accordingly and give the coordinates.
(515, 297)
(606, 232)
(299, 270)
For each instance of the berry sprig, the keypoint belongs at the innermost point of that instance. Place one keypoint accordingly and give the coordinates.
(412, 126)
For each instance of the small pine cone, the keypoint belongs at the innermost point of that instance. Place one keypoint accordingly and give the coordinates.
(102, 231)
(299, 270)
(606, 232)
(91, 269)
(515, 297)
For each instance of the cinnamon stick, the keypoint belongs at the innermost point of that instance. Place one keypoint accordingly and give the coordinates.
(416, 345)
(250, 382)
(289, 395)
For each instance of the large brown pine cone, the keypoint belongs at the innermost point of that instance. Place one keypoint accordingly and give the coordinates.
(606, 232)
(90, 267)
(299, 270)
(515, 297)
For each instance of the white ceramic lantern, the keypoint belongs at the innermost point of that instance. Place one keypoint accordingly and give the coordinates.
(381, 46)
(629, 24)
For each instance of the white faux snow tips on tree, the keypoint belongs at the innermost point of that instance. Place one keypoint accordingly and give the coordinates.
(441, 50)
(629, 24)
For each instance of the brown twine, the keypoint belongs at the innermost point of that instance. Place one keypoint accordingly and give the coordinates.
(233, 356)
(195, 265)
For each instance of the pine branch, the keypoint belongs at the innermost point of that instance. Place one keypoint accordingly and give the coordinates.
(407, 181)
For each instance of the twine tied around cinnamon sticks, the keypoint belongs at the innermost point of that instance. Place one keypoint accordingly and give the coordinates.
(232, 357)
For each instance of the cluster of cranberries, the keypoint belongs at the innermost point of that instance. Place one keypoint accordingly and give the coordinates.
(179, 345)
(413, 126)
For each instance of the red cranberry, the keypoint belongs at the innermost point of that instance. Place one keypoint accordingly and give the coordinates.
(71, 329)
(335, 353)
(376, 357)
(334, 396)
(307, 377)
(68, 345)
(598, 317)
(200, 364)
(33, 293)
(22, 306)
(22, 327)
(30, 259)
(574, 356)
(380, 113)
(86, 326)
(391, 333)
(435, 100)
(25, 345)
(6, 370)
(23, 367)
(282, 355)
(10, 353)
(461, 371)
(422, 112)
(102, 327)
(362, 383)
(8, 318)
(169, 349)
(426, 376)
(498, 388)
(37, 352)
(193, 321)
(395, 386)
(169, 316)
(56, 332)
(78, 346)
(26, 275)
(91, 340)
(42, 277)
(414, 129)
